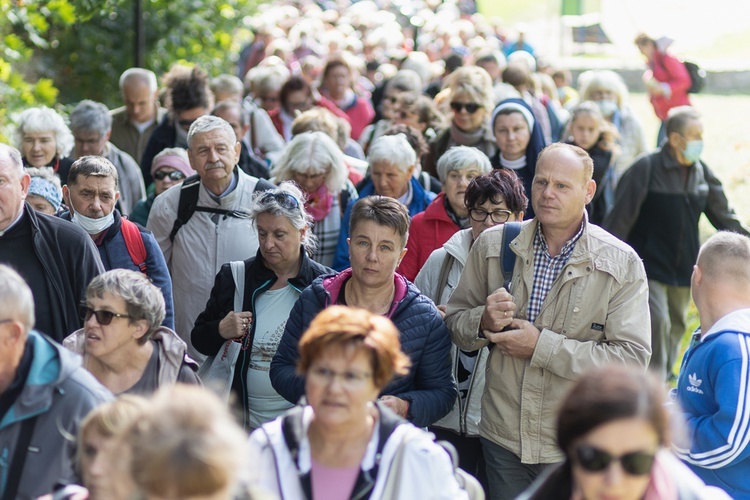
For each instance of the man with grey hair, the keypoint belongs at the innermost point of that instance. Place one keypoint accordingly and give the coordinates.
(238, 117)
(658, 204)
(57, 259)
(201, 223)
(91, 194)
(91, 125)
(44, 395)
(576, 299)
(133, 123)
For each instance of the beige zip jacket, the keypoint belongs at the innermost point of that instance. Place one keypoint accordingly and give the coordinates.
(596, 313)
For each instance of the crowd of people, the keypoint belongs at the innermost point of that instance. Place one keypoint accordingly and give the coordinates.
(407, 259)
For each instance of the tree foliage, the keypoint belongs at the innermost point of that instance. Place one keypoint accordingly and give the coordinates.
(67, 50)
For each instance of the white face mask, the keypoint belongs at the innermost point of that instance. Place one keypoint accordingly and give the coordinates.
(93, 226)
(607, 107)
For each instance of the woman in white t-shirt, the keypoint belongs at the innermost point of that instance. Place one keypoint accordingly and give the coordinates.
(274, 279)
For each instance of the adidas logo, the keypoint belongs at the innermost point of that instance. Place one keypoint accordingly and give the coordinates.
(695, 383)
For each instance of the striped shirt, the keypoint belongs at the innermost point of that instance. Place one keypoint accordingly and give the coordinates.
(547, 269)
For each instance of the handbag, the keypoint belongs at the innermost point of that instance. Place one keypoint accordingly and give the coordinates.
(217, 372)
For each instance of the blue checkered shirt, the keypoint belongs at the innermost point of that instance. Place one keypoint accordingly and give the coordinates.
(547, 269)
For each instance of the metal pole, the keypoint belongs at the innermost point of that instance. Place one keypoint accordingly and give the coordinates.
(139, 39)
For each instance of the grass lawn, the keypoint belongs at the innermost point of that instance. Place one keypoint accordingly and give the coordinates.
(726, 139)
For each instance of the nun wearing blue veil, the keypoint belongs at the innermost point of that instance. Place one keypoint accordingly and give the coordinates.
(519, 140)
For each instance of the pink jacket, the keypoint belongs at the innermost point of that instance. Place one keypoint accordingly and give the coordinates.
(668, 69)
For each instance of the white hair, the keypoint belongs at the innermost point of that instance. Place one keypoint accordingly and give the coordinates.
(314, 153)
(91, 116)
(394, 150)
(141, 74)
(208, 123)
(44, 119)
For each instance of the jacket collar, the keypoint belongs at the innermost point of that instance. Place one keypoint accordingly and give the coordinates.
(50, 366)
(523, 244)
(332, 285)
(735, 321)
(459, 245)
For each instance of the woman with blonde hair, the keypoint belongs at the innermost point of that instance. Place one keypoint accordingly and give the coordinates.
(607, 89)
(471, 99)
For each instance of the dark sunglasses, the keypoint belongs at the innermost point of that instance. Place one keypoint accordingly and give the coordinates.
(102, 317)
(637, 463)
(470, 107)
(286, 200)
(175, 176)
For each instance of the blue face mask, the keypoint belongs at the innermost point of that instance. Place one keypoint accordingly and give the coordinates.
(608, 107)
(693, 151)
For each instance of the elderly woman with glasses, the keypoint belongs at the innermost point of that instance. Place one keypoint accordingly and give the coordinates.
(316, 164)
(392, 164)
(614, 429)
(447, 213)
(344, 443)
(44, 140)
(379, 230)
(471, 101)
(491, 199)
(121, 341)
(273, 281)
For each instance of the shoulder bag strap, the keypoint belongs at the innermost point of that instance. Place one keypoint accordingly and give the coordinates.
(238, 273)
(186, 206)
(510, 231)
(134, 244)
(19, 458)
(445, 269)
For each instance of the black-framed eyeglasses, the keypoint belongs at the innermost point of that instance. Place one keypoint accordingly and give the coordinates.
(175, 175)
(470, 107)
(637, 463)
(102, 317)
(286, 200)
(497, 216)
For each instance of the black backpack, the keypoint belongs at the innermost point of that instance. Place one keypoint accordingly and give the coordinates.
(188, 203)
(697, 77)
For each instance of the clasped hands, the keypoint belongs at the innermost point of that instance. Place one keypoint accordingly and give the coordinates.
(521, 336)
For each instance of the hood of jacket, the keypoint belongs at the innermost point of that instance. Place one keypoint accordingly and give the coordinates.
(50, 366)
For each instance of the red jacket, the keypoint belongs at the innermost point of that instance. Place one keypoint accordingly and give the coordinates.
(428, 231)
(670, 70)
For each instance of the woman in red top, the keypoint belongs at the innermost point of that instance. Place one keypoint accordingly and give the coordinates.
(337, 86)
(667, 80)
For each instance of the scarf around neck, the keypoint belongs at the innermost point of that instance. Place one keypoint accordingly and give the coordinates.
(319, 203)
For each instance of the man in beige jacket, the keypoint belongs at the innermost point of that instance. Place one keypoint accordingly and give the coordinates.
(578, 299)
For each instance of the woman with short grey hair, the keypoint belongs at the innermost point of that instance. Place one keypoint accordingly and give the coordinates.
(273, 280)
(44, 140)
(316, 164)
(122, 342)
(447, 213)
(392, 162)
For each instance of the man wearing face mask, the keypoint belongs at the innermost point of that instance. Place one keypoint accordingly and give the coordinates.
(91, 194)
(658, 204)
(54, 257)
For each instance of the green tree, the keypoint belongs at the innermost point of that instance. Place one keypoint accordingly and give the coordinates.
(68, 50)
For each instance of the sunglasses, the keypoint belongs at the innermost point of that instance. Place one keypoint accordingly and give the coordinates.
(470, 107)
(102, 317)
(637, 463)
(286, 200)
(175, 176)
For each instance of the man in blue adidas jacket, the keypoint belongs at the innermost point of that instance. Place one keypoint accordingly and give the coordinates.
(713, 389)
(91, 194)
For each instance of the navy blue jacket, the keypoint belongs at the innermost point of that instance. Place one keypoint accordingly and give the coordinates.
(114, 255)
(429, 387)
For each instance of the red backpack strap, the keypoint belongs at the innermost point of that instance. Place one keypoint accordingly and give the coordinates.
(134, 243)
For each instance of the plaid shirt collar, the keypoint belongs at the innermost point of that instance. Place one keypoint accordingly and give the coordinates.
(541, 243)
